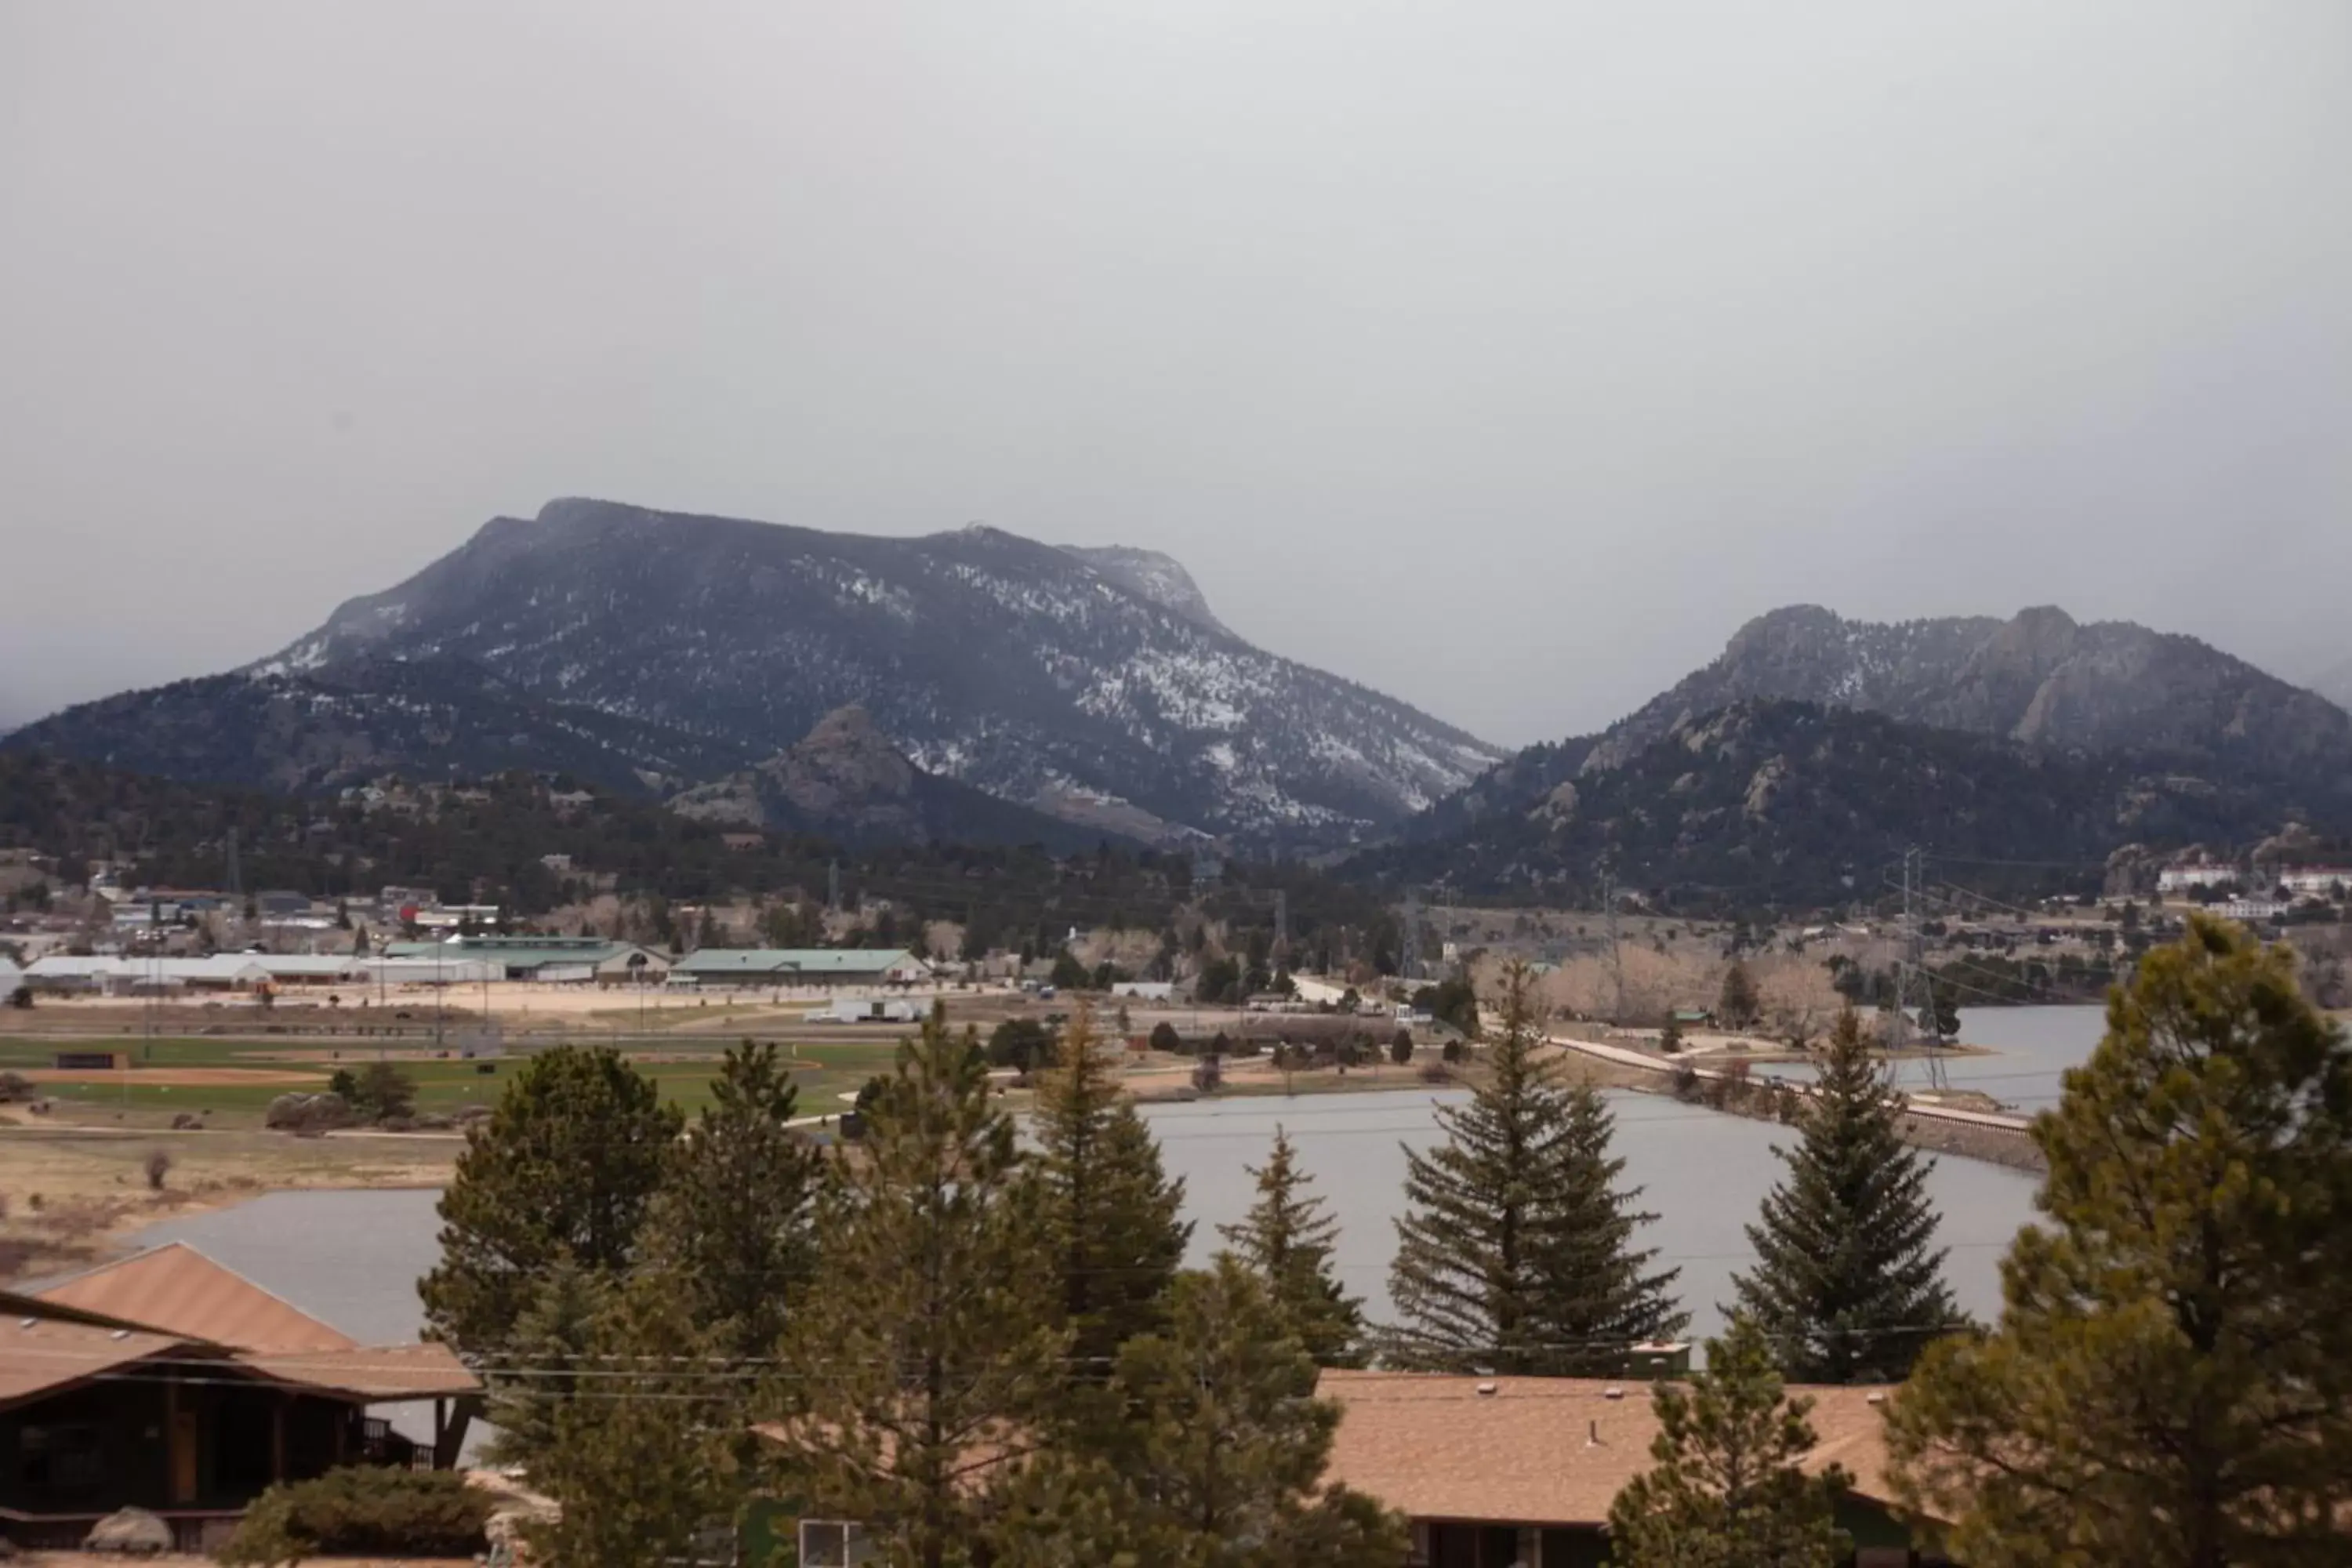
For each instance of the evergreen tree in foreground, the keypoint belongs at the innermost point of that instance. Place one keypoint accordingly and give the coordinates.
(923, 1361)
(563, 1168)
(1107, 1211)
(1729, 1489)
(2170, 1384)
(1288, 1240)
(546, 1354)
(640, 1457)
(1848, 1286)
(1222, 1463)
(1517, 1256)
(731, 1222)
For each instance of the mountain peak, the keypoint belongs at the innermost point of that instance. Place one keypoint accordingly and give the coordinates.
(2040, 676)
(1084, 680)
(1152, 576)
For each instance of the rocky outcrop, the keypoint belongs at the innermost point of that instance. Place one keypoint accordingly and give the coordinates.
(2041, 678)
(846, 781)
(307, 1113)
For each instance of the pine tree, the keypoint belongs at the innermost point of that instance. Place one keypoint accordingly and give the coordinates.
(731, 1222)
(1107, 1211)
(1517, 1256)
(924, 1358)
(563, 1168)
(540, 1371)
(1224, 1467)
(1848, 1285)
(1736, 1006)
(2170, 1382)
(640, 1460)
(1288, 1240)
(1729, 1489)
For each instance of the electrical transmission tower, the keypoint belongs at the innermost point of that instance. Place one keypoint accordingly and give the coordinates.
(1912, 967)
(1409, 960)
(1616, 952)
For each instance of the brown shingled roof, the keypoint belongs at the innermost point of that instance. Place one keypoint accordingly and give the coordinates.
(373, 1371)
(1539, 1450)
(38, 1354)
(175, 1290)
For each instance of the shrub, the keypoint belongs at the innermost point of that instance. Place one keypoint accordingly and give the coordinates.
(423, 1513)
(1208, 1074)
(1436, 1072)
(14, 1087)
(21, 997)
(1401, 1047)
(1164, 1038)
(385, 1092)
(1686, 1083)
(344, 1084)
(158, 1166)
(1453, 1051)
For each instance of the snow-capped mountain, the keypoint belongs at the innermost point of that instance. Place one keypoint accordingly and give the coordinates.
(1093, 684)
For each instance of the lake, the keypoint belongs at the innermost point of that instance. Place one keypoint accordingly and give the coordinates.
(353, 1257)
(2032, 1048)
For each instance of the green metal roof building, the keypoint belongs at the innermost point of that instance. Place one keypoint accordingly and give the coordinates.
(545, 958)
(800, 966)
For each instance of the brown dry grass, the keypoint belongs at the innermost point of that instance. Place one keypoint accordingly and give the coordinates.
(72, 1193)
(182, 1078)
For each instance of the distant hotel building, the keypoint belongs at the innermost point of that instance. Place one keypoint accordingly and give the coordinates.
(2186, 878)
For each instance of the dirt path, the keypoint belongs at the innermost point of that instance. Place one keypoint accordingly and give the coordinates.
(179, 1077)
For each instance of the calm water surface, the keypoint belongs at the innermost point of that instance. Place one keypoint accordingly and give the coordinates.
(2032, 1050)
(353, 1257)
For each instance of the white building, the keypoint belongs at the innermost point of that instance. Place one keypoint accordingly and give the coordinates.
(2316, 881)
(2254, 909)
(1145, 990)
(2185, 878)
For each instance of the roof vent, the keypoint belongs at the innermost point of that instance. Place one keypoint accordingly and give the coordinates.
(1592, 1435)
(1485, 1390)
(1612, 1391)
(120, 1335)
(1874, 1399)
(29, 1322)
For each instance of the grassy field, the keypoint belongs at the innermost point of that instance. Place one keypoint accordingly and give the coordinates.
(230, 1083)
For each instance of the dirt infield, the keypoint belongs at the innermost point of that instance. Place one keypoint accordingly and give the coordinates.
(179, 1077)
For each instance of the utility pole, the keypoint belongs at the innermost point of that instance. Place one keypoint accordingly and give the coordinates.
(833, 886)
(1282, 927)
(1409, 960)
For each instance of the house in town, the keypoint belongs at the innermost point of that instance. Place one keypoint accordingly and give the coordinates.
(166, 1382)
(1519, 1472)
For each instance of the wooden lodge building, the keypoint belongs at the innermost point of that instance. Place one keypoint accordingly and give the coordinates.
(169, 1382)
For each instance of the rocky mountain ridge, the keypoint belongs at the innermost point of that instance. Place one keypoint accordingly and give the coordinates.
(844, 780)
(1776, 802)
(1091, 684)
(2040, 677)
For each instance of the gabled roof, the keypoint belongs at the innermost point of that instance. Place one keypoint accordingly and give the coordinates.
(38, 1354)
(373, 1371)
(175, 1290)
(791, 961)
(1540, 1450)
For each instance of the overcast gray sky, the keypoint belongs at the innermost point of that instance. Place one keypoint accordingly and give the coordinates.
(1504, 356)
